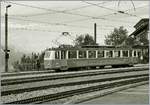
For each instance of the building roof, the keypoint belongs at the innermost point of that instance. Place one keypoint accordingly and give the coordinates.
(137, 31)
(141, 25)
(141, 21)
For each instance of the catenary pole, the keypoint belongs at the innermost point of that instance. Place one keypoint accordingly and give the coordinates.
(6, 39)
(95, 32)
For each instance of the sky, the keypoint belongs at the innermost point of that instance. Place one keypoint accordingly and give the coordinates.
(36, 25)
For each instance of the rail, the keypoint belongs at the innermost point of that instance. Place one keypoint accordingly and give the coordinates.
(52, 97)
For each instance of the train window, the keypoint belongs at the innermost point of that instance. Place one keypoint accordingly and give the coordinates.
(57, 55)
(116, 53)
(47, 54)
(72, 54)
(130, 53)
(63, 54)
(109, 54)
(125, 53)
(100, 54)
(139, 54)
(134, 53)
(82, 54)
(92, 54)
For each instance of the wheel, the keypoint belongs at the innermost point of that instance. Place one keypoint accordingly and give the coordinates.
(64, 68)
(101, 67)
(115, 66)
(57, 70)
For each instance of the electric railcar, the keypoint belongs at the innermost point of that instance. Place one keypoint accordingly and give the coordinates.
(90, 56)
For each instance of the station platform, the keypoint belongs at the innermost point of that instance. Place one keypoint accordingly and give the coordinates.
(137, 95)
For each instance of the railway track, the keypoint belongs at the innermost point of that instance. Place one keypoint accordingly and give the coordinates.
(21, 90)
(13, 74)
(65, 94)
(97, 80)
(26, 73)
(53, 76)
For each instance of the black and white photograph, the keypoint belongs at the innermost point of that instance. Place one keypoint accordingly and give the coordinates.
(74, 52)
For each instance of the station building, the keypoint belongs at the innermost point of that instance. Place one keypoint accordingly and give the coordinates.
(141, 32)
(141, 37)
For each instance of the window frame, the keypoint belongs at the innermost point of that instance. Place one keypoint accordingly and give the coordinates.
(85, 54)
(72, 51)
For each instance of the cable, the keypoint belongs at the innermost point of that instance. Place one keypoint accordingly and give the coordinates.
(70, 25)
(138, 7)
(131, 1)
(50, 10)
(98, 5)
(61, 24)
(121, 12)
(47, 13)
(30, 29)
(59, 11)
(55, 10)
(105, 18)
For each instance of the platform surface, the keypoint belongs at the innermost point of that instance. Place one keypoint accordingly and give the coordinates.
(138, 95)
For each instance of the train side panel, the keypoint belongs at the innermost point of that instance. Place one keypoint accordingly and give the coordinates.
(101, 62)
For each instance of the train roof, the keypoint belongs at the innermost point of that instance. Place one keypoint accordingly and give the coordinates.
(97, 47)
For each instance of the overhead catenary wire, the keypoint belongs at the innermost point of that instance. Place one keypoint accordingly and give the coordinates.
(79, 20)
(55, 31)
(34, 29)
(63, 24)
(71, 25)
(56, 42)
(50, 10)
(69, 13)
(121, 12)
(66, 24)
(53, 41)
(131, 2)
(106, 19)
(73, 9)
(59, 24)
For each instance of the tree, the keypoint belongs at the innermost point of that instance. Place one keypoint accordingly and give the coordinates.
(143, 40)
(130, 41)
(84, 40)
(117, 37)
(16, 65)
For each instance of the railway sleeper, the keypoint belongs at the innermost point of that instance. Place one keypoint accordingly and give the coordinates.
(51, 97)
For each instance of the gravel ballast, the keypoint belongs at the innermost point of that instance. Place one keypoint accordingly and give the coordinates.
(67, 80)
(27, 95)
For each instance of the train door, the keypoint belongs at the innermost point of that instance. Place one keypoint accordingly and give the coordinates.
(64, 65)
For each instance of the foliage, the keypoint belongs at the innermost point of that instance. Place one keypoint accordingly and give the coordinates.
(143, 40)
(84, 40)
(117, 37)
(33, 62)
(130, 41)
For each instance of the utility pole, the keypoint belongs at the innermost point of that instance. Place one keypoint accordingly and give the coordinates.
(95, 32)
(6, 39)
